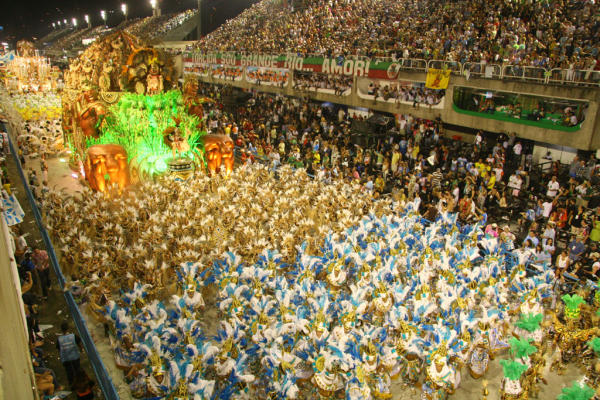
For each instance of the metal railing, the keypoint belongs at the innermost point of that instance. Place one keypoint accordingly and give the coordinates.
(540, 75)
(454, 66)
(482, 70)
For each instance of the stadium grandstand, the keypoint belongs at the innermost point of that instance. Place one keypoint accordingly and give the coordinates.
(539, 33)
(70, 41)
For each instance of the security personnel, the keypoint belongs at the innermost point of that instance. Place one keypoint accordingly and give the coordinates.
(68, 347)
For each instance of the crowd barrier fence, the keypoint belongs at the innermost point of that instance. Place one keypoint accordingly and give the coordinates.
(103, 378)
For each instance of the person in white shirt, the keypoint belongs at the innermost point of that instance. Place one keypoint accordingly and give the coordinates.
(553, 187)
(547, 208)
(517, 148)
(515, 182)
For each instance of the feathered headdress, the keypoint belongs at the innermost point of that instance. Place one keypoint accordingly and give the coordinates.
(594, 344)
(579, 391)
(513, 369)
(520, 348)
(530, 322)
(572, 305)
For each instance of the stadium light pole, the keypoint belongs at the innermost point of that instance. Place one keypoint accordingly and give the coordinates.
(103, 16)
(124, 9)
(155, 8)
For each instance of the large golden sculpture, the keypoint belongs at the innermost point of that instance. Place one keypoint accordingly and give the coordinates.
(90, 113)
(218, 151)
(106, 164)
(121, 63)
(96, 79)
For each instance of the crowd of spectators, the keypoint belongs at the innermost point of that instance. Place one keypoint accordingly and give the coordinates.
(172, 23)
(146, 26)
(407, 93)
(266, 76)
(549, 34)
(227, 73)
(69, 41)
(541, 211)
(340, 84)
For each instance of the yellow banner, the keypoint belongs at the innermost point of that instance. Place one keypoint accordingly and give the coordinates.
(437, 78)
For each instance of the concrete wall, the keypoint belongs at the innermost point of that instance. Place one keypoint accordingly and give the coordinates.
(18, 381)
(587, 138)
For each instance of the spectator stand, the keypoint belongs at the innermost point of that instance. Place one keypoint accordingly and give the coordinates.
(403, 92)
(267, 76)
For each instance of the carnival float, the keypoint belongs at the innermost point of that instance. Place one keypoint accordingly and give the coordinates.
(28, 72)
(32, 85)
(121, 101)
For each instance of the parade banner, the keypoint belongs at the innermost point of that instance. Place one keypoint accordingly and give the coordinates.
(437, 78)
(372, 68)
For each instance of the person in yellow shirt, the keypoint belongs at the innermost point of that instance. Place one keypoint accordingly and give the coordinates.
(316, 158)
(491, 182)
(395, 159)
(379, 184)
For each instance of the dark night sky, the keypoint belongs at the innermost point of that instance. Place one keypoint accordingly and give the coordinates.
(27, 19)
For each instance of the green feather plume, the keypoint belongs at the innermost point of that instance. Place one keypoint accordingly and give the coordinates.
(512, 369)
(530, 322)
(520, 348)
(576, 392)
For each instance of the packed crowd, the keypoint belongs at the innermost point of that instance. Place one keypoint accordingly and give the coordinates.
(174, 22)
(408, 93)
(267, 76)
(290, 286)
(68, 41)
(227, 73)
(340, 84)
(549, 34)
(493, 177)
(332, 223)
(38, 123)
(146, 26)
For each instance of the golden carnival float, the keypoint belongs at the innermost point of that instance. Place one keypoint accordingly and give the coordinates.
(28, 72)
(125, 120)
